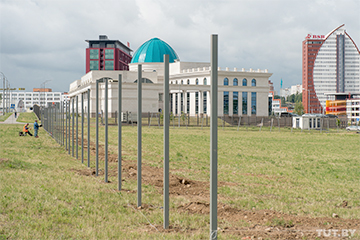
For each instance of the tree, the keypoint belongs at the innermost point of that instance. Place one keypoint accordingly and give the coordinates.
(298, 97)
(299, 108)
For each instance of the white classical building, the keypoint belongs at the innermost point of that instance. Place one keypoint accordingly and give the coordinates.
(241, 92)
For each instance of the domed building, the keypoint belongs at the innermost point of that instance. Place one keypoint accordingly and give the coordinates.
(153, 51)
(241, 92)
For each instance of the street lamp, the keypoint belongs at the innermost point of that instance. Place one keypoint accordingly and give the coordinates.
(44, 91)
(3, 96)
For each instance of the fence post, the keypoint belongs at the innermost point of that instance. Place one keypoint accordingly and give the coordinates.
(77, 127)
(73, 126)
(106, 129)
(214, 138)
(119, 131)
(166, 123)
(97, 130)
(88, 127)
(82, 127)
(139, 107)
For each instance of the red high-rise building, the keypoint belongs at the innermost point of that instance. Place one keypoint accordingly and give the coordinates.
(105, 54)
(330, 67)
(310, 46)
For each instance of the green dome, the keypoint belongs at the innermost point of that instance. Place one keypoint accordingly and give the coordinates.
(153, 51)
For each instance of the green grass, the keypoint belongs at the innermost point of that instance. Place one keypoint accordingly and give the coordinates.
(298, 173)
(26, 117)
(4, 117)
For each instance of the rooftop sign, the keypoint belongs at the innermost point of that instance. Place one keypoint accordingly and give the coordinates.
(309, 36)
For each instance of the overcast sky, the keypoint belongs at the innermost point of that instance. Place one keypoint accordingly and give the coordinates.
(45, 39)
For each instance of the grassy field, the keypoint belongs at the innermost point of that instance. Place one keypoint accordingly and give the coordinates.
(304, 174)
(26, 117)
(4, 117)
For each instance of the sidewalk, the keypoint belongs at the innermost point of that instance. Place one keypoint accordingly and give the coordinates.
(11, 120)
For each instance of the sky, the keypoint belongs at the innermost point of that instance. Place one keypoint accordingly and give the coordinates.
(44, 40)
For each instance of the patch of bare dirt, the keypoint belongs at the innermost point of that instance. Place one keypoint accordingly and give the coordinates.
(3, 160)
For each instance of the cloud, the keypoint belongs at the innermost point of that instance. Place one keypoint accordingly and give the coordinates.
(43, 39)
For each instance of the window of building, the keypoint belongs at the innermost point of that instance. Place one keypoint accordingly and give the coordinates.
(109, 53)
(28, 94)
(181, 102)
(253, 83)
(244, 103)
(226, 102)
(244, 83)
(235, 102)
(95, 45)
(171, 103)
(226, 81)
(160, 97)
(145, 80)
(176, 103)
(188, 81)
(109, 65)
(182, 82)
(253, 103)
(205, 81)
(235, 82)
(110, 45)
(188, 102)
(94, 54)
(270, 105)
(197, 81)
(205, 102)
(94, 65)
(196, 103)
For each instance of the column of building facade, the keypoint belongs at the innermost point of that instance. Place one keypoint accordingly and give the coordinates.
(201, 103)
(179, 103)
(249, 103)
(184, 100)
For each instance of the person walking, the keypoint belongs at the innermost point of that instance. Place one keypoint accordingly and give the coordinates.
(36, 129)
(15, 114)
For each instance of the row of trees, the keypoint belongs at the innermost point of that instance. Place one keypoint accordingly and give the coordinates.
(293, 101)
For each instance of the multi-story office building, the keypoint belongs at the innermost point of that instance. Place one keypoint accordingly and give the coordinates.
(330, 65)
(105, 54)
(42, 97)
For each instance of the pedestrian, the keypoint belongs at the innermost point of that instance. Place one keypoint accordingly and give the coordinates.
(15, 114)
(36, 128)
(26, 129)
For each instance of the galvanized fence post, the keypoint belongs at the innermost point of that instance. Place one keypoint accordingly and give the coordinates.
(139, 135)
(166, 124)
(214, 137)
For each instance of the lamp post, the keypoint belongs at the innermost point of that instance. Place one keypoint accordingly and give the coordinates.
(3, 95)
(7, 96)
(44, 91)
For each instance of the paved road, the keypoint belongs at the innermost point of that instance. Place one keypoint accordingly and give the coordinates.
(11, 120)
